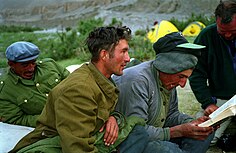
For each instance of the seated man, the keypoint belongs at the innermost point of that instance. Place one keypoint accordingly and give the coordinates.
(148, 90)
(79, 114)
(25, 87)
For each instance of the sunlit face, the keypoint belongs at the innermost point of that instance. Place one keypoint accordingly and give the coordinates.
(116, 63)
(171, 81)
(228, 31)
(23, 69)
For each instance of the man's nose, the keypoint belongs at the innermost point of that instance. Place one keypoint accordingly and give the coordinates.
(183, 82)
(127, 58)
(31, 66)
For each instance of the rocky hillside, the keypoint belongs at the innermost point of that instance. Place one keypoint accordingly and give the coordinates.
(138, 14)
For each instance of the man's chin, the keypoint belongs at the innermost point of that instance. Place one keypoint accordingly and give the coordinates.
(119, 74)
(28, 77)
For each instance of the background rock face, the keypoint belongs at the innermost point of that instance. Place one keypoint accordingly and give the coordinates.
(138, 14)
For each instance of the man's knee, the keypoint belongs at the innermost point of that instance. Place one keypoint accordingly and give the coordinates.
(162, 146)
(136, 141)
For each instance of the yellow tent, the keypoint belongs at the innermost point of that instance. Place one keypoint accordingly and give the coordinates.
(160, 30)
(193, 29)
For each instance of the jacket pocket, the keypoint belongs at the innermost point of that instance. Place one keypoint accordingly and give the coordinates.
(53, 80)
(29, 104)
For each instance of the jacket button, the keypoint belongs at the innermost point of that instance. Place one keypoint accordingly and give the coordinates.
(56, 80)
(1, 82)
(43, 134)
(162, 120)
(37, 84)
(25, 100)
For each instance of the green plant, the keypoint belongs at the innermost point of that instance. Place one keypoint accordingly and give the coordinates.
(180, 25)
(14, 29)
(65, 45)
(115, 22)
(140, 33)
(68, 62)
(141, 48)
(85, 26)
(184, 23)
(42, 40)
(3, 62)
(70, 44)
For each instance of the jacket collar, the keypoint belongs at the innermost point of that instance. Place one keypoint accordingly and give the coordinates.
(107, 85)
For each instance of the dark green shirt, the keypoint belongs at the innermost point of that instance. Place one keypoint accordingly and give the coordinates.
(214, 75)
(21, 100)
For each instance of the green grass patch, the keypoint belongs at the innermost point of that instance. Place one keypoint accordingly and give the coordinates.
(68, 62)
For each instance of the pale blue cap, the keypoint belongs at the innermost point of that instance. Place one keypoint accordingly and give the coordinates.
(22, 51)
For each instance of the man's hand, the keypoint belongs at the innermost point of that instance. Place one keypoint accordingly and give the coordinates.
(210, 109)
(192, 130)
(112, 130)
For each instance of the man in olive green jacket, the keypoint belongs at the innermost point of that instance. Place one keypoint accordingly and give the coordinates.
(25, 87)
(81, 106)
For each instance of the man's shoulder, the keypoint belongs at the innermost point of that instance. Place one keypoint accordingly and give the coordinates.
(209, 29)
(142, 67)
(8, 81)
(3, 79)
(2, 83)
(207, 34)
(211, 26)
(45, 60)
(48, 63)
(137, 72)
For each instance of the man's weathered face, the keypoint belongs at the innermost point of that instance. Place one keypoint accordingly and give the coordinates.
(228, 30)
(24, 69)
(171, 81)
(116, 63)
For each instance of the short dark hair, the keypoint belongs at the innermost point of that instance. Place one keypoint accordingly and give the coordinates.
(226, 9)
(106, 38)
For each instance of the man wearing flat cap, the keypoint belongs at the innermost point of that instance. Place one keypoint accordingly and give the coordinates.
(148, 90)
(25, 87)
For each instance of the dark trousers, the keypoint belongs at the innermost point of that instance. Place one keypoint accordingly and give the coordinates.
(180, 145)
(135, 142)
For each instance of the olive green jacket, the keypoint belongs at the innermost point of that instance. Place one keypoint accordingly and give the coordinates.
(76, 109)
(21, 100)
(52, 145)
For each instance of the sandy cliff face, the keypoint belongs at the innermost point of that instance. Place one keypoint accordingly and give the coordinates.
(136, 13)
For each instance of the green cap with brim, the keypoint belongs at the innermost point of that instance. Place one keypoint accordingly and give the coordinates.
(175, 41)
(190, 46)
(175, 54)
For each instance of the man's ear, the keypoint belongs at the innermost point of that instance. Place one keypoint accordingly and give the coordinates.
(10, 63)
(103, 54)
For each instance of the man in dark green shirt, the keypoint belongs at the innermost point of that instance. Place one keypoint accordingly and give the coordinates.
(213, 81)
(25, 87)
